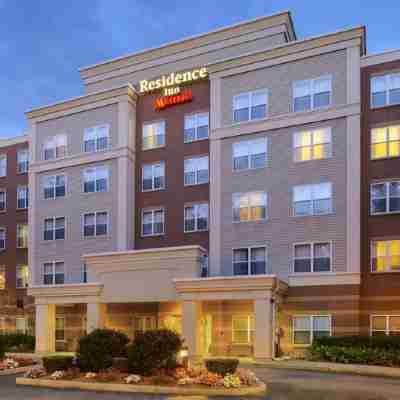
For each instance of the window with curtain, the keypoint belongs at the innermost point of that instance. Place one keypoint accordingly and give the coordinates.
(249, 154)
(22, 235)
(96, 179)
(22, 276)
(312, 94)
(196, 171)
(314, 144)
(243, 329)
(385, 256)
(153, 176)
(54, 186)
(250, 261)
(312, 257)
(308, 327)
(22, 197)
(153, 135)
(196, 127)
(153, 222)
(22, 161)
(314, 199)
(196, 217)
(53, 273)
(385, 197)
(250, 106)
(385, 90)
(385, 142)
(55, 147)
(95, 224)
(96, 138)
(250, 206)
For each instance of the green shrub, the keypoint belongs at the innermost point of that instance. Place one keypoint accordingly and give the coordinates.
(57, 363)
(97, 349)
(154, 350)
(222, 366)
(120, 363)
(375, 342)
(2, 350)
(18, 342)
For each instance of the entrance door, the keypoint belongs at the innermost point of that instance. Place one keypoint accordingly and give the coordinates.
(207, 333)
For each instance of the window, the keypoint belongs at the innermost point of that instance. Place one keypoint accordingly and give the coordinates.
(385, 142)
(95, 179)
(196, 127)
(96, 138)
(95, 224)
(84, 273)
(196, 217)
(60, 329)
(312, 257)
(249, 106)
(22, 276)
(22, 235)
(251, 206)
(3, 200)
(2, 239)
(20, 324)
(3, 165)
(243, 329)
(54, 228)
(312, 145)
(196, 171)
(153, 222)
(312, 93)
(385, 90)
(153, 177)
(385, 325)
(22, 197)
(23, 161)
(54, 186)
(144, 323)
(385, 256)
(2, 277)
(385, 198)
(153, 135)
(53, 273)
(204, 272)
(55, 147)
(249, 154)
(312, 199)
(306, 328)
(250, 261)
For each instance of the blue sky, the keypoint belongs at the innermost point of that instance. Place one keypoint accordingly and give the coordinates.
(44, 42)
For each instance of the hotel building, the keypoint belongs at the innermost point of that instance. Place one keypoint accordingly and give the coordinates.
(218, 186)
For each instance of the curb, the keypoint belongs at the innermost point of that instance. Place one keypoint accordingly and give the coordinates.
(259, 390)
(15, 371)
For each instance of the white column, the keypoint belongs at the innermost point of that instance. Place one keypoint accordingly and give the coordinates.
(45, 327)
(263, 328)
(96, 316)
(191, 328)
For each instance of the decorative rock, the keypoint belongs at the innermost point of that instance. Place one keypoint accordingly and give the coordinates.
(57, 375)
(132, 379)
(35, 372)
(90, 375)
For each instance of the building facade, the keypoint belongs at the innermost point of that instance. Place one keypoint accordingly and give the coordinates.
(215, 186)
(16, 309)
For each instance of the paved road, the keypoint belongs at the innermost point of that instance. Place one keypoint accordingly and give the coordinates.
(284, 385)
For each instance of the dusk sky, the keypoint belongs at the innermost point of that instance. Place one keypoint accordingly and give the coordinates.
(44, 42)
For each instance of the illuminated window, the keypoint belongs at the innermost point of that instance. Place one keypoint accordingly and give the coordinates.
(385, 256)
(53, 273)
(250, 206)
(54, 186)
(95, 179)
(315, 144)
(196, 171)
(143, 324)
(95, 224)
(2, 277)
(312, 94)
(196, 127)
(313, 199)
(55, 147)
(385, 198)
(243, 328)
(22, 235)
(308, 327)
(312, 257)
(20, 325)
(196, 217)
(22, 197)
(153, 135)
(23, 161)
(153, 177)
(250, 261)
(385, 142)
(22, 276)
(171, 322)
(385, 90)
(54, 228)
(385, 325)
(96, 138)
(153, 222)
(251, 105)
(3, 199)
(249, 154)
(60, 329)
(3, 165)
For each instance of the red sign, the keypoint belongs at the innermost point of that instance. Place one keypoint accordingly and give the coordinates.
(167, 101)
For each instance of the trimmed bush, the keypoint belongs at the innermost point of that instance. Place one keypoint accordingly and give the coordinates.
(97, 349)
(222, 366)
(120, 363)
(2, 350)
(374, 342)
(18, 342)
(154, 350)
(57, 363)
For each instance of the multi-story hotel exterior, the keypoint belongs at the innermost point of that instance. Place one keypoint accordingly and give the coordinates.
(16, 309)
(213, 186)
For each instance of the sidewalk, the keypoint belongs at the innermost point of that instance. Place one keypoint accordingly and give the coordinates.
(301, 365)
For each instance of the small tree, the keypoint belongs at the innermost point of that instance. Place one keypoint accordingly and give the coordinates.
(97, 349)
(153, 350)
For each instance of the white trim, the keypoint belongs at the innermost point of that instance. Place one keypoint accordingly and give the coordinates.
(153, 164)
(43, 186)
(152, 210)
(96, 127)
(387, 75)
(249, 248)
(249, 155)
(53, 218)
(312, 200)
(53, 273)
(387, 197)
(196, 157)
(195, 205)
(196, 115)
(312, 244)
(95, 213)
(96, 168)
(250, 95)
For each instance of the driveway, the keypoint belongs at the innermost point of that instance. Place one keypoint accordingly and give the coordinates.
(283, 384)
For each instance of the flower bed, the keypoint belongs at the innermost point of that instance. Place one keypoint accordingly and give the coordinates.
(15, 363)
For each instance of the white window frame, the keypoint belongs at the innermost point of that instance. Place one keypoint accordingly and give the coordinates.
(23, 188)
(265, 194)
(96, 128)
(387, 324)
(249, 248)
(96, 169)
(163, 123)
(373, 241)
(311, 326)
(54, 187)
(250, 155)
(313, 214)
(54, 227)
(3, 229)
(3, 157)
(53, 274)
(250, 95)
(153, 210)
(24, 278)
(387, 142)
(387, 197)
(95, 224)
(196, 208)
(312, 245)
(328, 130)
(24, 162)
(249, 317)
(196, 116)
(196, 172)
(52, 141)
(5, 199)
(312, 92)
(387, 77)
(18, 236)
(153, 166)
